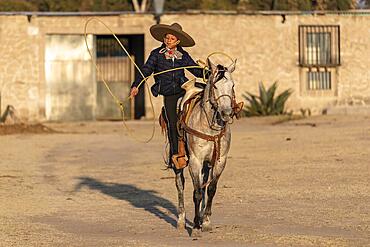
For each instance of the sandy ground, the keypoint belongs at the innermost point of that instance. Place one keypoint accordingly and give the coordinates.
(297, 183)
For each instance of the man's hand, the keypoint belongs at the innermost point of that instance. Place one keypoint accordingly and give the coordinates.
(134, 92)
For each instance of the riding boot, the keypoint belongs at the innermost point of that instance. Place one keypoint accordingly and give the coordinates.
(180, 160)
(173, 140)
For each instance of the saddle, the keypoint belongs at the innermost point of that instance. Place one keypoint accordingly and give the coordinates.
(194, 92)
(181, 159)
(185, 105)
(192, 88)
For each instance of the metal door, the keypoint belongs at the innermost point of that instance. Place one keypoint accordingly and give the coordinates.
(70, 78)
(117, 70)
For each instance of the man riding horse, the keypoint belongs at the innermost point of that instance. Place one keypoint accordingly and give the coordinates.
(169, 55)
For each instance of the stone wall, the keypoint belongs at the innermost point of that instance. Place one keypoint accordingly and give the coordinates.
(19, 66)
(265, 46)
(267, 50)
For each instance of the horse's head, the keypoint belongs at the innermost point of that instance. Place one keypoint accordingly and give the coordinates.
(221, 89)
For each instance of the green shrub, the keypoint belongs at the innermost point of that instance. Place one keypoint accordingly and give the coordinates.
(266, 104)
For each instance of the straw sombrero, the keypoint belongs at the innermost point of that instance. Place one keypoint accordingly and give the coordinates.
(160, 30)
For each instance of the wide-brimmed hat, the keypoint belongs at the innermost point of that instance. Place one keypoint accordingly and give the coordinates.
(158, 31)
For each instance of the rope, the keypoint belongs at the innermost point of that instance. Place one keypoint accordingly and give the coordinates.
(117, 101)
(221, 53)
(120, 103)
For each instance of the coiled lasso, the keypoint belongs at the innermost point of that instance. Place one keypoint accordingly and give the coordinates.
(115, 98)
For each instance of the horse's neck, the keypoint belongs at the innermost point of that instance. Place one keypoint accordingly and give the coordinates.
(204, 113)
(206, 103)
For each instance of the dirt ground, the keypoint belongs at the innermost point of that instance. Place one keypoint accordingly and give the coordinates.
(296, 183)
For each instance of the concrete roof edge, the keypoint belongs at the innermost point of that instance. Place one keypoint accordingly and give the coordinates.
(111, 13)
(191, 12)
(274, 12)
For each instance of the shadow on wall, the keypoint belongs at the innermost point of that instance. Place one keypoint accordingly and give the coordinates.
(139, 198)
(9, 116)
(15, 93)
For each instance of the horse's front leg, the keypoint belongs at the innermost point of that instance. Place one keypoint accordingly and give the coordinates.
(195, 168)
(180, 184)
(211, 191)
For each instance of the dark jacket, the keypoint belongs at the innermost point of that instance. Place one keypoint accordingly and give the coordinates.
(168, 83)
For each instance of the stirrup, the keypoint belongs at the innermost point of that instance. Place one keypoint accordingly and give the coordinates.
(180, 161)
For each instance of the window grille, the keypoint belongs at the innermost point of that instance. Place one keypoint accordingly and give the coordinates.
(319, 46)
(107, 46)
(116, 69)
(319, 80)
(113, 63)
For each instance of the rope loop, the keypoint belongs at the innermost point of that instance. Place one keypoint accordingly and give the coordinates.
(120, 104)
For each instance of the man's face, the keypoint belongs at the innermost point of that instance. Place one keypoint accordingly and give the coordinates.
(170, 41)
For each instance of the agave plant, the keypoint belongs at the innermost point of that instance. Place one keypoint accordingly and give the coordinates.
(266, 103)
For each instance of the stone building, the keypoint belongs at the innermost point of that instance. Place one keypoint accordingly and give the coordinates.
(47, 75)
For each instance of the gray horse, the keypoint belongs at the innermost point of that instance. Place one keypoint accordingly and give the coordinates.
(208, 141)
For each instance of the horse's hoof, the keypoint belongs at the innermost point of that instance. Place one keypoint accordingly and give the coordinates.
(181, 221)
(196, 232)
(180, 225)
(206, 226)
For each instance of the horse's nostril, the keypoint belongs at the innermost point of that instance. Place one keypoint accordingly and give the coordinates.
(226, 115)
(226, 112)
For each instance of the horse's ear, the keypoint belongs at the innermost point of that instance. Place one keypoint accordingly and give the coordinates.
(210, 65)
(231, 68)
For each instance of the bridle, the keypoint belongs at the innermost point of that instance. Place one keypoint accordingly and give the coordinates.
(216, 122)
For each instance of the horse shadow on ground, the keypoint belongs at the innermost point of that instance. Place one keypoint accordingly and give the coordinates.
(139, 198)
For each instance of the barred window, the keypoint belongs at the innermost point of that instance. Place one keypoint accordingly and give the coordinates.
(318, 80)
(319, 46)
